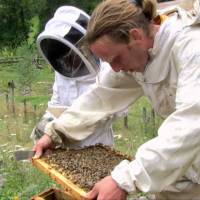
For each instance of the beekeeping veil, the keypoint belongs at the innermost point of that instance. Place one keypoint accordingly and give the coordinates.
(62, 46)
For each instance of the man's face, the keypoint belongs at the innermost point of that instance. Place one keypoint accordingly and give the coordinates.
(131, 57)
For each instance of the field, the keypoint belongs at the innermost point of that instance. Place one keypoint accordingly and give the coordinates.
(19, 113)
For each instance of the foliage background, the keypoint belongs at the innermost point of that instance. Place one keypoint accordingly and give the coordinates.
(21, 22)
(19, 17)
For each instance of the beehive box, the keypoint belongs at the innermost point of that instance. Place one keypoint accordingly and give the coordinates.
(78, 170)
(52, 194)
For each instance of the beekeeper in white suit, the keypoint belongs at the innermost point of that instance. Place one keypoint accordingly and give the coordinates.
(75, 70)
(160, 61)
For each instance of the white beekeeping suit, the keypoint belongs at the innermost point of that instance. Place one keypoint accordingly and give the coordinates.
(75, 70)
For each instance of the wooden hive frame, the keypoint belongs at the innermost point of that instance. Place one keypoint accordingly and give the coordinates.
(73, 190)
(76, 192)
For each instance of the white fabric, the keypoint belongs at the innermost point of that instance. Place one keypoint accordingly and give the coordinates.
(64, 18)
(65, 91)
(171, 82)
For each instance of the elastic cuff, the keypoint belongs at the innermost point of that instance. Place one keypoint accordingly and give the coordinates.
(57, 141)
(122, 175)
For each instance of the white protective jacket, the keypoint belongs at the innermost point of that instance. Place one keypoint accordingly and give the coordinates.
(171, 81)
(65, 91)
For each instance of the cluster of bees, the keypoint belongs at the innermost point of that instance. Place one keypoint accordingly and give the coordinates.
(84, 167)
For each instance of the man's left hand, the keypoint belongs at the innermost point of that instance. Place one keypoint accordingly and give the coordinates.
(107, 189)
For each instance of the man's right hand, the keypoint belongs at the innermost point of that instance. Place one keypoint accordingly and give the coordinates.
(43, 144)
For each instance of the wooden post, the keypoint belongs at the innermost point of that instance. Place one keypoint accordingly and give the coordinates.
(25, 110)
(144, 117)
(7, 102)
(126, 121)
(153, 121)
(11, 87)
(35, 113)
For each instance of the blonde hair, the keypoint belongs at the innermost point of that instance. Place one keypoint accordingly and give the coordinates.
(116, 17)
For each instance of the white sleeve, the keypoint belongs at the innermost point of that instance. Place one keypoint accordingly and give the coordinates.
(112, 92)
(175, 151)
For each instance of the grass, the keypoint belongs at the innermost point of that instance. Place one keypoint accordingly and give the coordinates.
(140, 128)
(20, 179)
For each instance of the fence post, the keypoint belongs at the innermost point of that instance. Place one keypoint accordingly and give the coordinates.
(153, 121)
(35, 114)
(7, 102)
(25, 110)
(145, 119)
(126, 121)
(11, 87)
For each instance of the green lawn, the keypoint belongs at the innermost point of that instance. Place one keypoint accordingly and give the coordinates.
(21, 179)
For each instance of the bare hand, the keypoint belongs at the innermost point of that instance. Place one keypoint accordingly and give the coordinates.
(107, 189)
(44, 143)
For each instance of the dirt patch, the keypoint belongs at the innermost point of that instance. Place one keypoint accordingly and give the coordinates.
(86, 166)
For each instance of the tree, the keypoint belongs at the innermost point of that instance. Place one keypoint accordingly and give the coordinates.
(26, 68)
(17, 17)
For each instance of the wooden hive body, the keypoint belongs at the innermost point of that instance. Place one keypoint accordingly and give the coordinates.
(71, 189)
(53, 194)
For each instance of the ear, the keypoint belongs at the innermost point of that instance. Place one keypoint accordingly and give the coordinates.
(136, 34)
